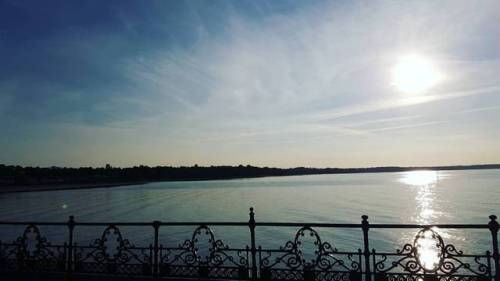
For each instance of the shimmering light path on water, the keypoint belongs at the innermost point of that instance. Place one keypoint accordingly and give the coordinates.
(422, 197)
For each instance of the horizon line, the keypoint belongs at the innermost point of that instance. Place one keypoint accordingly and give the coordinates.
(260, 167)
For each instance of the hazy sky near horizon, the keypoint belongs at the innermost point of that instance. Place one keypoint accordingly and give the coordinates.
(267, 83)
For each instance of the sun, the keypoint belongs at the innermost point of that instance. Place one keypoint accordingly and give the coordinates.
(415, 74)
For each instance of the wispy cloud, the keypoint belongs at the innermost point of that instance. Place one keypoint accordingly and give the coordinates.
(478, 109)
(409, 126)
(401, 102)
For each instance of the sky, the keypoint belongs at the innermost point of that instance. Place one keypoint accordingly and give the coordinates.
(264, 83)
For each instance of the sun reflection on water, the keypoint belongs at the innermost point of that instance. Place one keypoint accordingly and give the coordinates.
(428, 249)
(420, 178)
(426, 212)
(425, 184)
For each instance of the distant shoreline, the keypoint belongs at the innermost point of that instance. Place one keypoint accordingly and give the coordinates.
(52, 187)
(291, 172)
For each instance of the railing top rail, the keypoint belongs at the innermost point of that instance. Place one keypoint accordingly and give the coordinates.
(231, 223)
(372, 225)
(313, 224)
(31, 222)
(152, 223)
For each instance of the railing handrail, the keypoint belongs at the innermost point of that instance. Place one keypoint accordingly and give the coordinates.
(241, 223)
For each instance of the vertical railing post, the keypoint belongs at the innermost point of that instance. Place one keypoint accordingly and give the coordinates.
(494, 226)
(365, 226)
(71, 227)
(253, 249)
(156, 226)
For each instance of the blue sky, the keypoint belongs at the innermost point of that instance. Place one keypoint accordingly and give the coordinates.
(267, 83)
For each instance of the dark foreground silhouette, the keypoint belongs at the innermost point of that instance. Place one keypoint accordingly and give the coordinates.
(17, 178)
(301, 252)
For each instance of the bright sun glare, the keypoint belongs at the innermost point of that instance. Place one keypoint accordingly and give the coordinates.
(415, 74)
(427, 250)
(420, 178)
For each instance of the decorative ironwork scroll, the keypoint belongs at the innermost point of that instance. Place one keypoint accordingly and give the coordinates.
(216, 260)
(429, 258)
(112, 254)
(291, 262)
(32, 252)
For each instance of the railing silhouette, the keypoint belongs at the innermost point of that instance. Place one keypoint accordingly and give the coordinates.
(426, 258)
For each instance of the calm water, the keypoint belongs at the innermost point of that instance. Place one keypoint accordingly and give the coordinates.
(413, 197)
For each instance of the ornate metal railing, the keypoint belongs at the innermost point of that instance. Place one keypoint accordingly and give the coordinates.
(428, 257)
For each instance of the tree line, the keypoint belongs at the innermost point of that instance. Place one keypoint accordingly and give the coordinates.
(19, 175)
